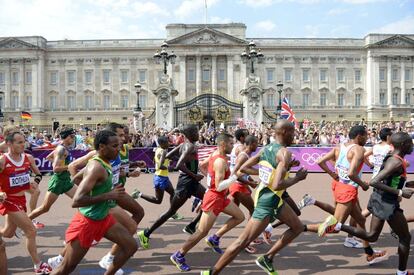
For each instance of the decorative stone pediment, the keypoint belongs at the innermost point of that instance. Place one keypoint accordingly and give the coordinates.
(206, 36)
(396, 41)
(14, 43)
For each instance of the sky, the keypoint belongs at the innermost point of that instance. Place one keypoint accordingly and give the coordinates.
(133, 19)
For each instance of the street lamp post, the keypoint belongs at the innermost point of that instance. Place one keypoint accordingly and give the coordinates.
(279, 87)
(164, 57)
(138, 111)
(138, 87)
(252, 56)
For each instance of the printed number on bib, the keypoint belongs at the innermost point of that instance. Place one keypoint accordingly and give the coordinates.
(343, 174)
(115, 179)
(208, 181)
(265, 174)
(19, 180)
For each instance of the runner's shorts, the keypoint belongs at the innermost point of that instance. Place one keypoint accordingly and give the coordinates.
(239, 188)
(381, 208)
(187, 186)
(161, 182)
(59, 185)
(344, 193)
(13, 204)
(215, 202)
(89, 232)
(267, 204)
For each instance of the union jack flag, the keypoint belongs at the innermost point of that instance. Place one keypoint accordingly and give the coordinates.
(286, 112)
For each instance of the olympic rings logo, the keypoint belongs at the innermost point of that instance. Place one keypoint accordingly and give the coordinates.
(312, 159)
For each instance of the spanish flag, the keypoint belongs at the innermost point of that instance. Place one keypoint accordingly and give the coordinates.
(26, 115)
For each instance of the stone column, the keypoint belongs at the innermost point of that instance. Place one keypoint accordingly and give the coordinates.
(389, 81)
(21, 84)
(62, 84)
(41, 82)
(183, 74)
(79, 103)
(165, 103)
(230, 77)
(134, 79)
(115, 79)
(402, 82)
(35, 81)
(98, 84)
(214, 74)
(7, 92)
(198, 74)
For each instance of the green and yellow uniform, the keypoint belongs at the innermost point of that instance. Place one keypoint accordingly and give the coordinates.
(60, 182)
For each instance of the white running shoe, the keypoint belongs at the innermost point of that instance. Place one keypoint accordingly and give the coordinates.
(305, 201)
(352, 243)
(54, 262)
(106, 261)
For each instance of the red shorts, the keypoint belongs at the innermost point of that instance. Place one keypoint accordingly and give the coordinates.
(13, 204)
(344, 193)
(239, 187)
(214, 201)
(89, 232)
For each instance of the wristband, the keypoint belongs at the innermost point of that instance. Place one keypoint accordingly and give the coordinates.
(400, 193)
(38, 178)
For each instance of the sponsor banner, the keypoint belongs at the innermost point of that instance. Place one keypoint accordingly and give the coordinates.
(308, 157)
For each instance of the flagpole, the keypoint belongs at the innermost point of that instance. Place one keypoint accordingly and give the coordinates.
(205, 12)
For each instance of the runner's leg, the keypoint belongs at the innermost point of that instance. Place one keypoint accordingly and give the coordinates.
(74, 254)
(3, 257)
(48, 201)
(159, 195)
(399, 225)
(237, 217)
(34, 192)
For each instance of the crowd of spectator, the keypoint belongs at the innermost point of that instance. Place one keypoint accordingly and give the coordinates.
(308, 133)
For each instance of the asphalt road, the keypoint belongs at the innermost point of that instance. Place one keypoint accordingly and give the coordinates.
(308, 254)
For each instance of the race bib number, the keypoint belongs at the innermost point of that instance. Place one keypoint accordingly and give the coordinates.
(265, 174)
(343, 174)
(115, 179)
(125, 168)
(19, 180)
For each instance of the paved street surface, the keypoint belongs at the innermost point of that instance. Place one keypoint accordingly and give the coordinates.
(306, 255)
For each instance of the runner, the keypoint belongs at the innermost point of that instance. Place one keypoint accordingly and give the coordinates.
(15, 167)
(274, 161)
(240, 190)
(215, 201)
(60, 182)
(347, 178)
(93, 221)
(384, 203)
(188, 184)
(34, 190)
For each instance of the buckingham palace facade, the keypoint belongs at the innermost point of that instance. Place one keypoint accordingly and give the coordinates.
(90, 81)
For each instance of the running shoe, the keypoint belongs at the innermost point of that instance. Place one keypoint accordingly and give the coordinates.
(37, 224)
(377, 257)
(143, 240)
(196, 203)
(406, 273)
(305, 201)
(54, 262)
(352, 243)
(106, 262)
(267, 265)
(328, 226)
(43, 269)
(214, 244)
(395, 236)
(206, 272)
(189, 230)
(135, 194)
(257, 241)
(267, 237)
(250, 249)
(177, 217)
(179, 261)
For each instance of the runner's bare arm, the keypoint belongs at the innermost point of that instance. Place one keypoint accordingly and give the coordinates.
(284, 157)
(2, 162)
(76, 179)
(247, 167)
(162, 159)
(79, 163)
(174, 151)
(322, 163)
(187, 150)
(59, 160)
(391, 166)
(35, 169)
(204, 166)
(50, 156)
(240, 160)
(220, 166)
(94, 174)
(357, 157)
(367, 154)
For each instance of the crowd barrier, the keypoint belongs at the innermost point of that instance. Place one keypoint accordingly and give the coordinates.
(308, 156)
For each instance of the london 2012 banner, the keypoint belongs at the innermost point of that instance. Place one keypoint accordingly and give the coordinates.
(308, 157)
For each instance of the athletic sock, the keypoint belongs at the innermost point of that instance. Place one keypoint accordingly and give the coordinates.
(269, 228)
(368, 250)
(338, 226)
(401, 272)
(110, 256)
(36, 266)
